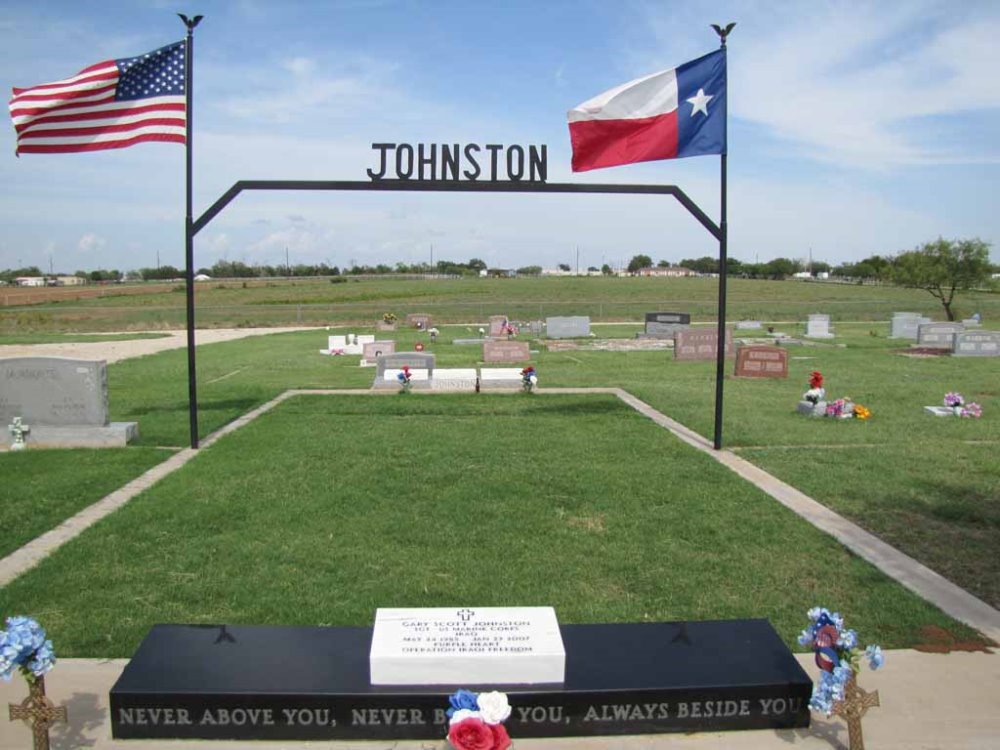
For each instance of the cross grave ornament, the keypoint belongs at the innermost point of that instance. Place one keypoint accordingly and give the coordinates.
(18, 431)
(38, 712)
(855, 705)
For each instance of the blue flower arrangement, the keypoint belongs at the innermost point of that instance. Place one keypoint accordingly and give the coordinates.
(23, 646)
(835, 656)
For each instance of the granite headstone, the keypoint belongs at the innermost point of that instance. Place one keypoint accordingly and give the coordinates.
(506, 351)
(761, 362)
(938, 335)
(64, 400)
(567, 327)
(977, 344)
(818, 327)
(700, 344)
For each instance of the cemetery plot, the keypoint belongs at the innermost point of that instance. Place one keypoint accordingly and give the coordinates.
(456, 477)
(761, 362)
(700, 344)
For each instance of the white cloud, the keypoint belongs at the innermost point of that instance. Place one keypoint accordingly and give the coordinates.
(857, 84)
(90, 243)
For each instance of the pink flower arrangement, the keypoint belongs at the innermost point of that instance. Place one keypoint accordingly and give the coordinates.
(972, 410)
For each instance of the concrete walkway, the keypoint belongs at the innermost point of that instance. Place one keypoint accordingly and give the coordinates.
(928, 702)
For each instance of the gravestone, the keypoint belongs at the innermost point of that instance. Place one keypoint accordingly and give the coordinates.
(700, 344)
(663, 325)
(761, 362)
(818, 327)
(419, 320)
(283, 683)
(65, 401)
(976, 344)
(372, 350)
(506, 351)
(498, 324)
(454, 379)
(534, 327)
(443, 646)
(390, 364)
(748, 325)
(567, 327)
(904, 325)
(466, 342)
(500, 377)
(938, 335)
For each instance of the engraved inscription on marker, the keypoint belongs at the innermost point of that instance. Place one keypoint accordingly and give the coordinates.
(938, 335)
(692, 344)
(761, 362)
(506, 351)
(372, 350)
(467, 645)
(570, 327)
(977, 344)
(54, 391)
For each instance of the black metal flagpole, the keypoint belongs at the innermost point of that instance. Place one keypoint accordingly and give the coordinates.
(189, 227)
(720, 359)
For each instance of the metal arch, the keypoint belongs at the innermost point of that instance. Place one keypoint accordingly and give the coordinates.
(455, 186)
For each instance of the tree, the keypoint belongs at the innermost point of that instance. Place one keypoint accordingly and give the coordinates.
(564, 267)
(943, 268)
(663, 264)
(639, 261)
(606, 270)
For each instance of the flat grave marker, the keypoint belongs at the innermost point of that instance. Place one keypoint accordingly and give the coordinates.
(500, 377)
(748, 325)
(454, 379)
(445, 645)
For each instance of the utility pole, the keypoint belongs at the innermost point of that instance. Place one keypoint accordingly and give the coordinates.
(577, 260)
(288, 270)
(432, 256)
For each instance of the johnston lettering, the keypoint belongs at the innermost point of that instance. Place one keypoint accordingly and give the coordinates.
(453, 161)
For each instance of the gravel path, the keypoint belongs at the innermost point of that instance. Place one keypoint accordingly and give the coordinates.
(114, 351)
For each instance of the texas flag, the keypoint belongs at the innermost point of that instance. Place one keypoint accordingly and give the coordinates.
(668, 115)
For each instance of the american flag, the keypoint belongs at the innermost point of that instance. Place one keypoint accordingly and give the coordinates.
(112, 104)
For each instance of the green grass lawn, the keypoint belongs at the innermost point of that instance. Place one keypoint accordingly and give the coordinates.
(362, 301)
(328, 507)
(41, 489)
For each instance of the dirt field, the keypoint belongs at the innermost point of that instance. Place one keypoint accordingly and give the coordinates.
(114, 351)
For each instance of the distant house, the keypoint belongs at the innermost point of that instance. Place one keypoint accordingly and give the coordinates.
(202, 277)
(669, 271)
(70, 281)
(30, 281)
(501, 273)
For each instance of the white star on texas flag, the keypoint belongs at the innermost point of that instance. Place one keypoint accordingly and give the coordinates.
(699, 102)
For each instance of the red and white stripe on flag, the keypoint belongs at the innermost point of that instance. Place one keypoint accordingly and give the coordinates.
(668, 115)
(92, 112)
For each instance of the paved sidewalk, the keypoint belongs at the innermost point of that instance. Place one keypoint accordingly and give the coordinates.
(929, 702)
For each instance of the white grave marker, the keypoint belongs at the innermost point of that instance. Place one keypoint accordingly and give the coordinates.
(467, 646)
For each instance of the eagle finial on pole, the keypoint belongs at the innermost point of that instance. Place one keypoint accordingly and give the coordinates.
(723, 32)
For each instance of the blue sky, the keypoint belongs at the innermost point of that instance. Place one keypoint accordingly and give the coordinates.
(854, 128)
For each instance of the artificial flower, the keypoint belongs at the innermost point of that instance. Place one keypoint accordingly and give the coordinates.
(972, 410)
(861, 412)
(471, 734)
(953, 398)
(493, 707)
